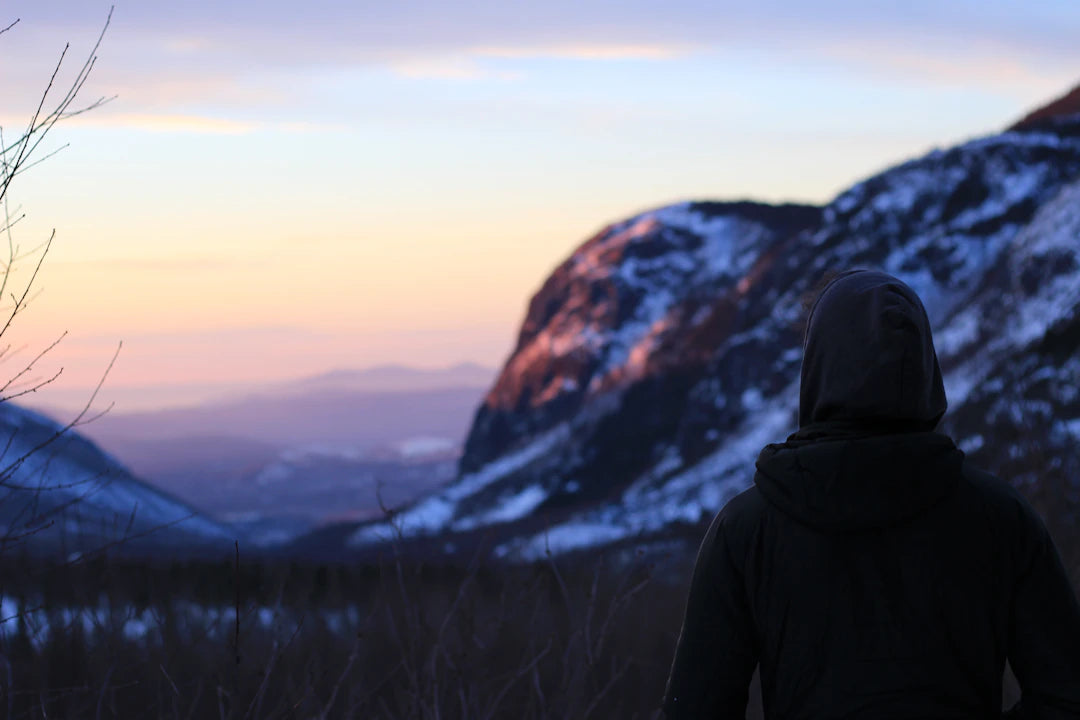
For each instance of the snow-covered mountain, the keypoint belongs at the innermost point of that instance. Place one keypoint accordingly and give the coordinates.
(60, 493)
(658, 359)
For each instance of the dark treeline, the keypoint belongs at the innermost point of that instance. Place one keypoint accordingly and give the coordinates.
(577, 638)
(588, 636)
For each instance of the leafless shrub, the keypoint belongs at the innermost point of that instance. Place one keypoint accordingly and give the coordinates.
(18, 155)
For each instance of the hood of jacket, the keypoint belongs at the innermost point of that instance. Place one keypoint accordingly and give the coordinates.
(843, 478)
(868, 355)
(865, 455)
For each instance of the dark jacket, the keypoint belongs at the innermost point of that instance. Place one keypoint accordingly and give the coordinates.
(871, 571)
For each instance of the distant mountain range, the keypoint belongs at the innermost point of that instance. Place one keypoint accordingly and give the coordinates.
(658, 359)
(351, 418)
(387, 378)
(135, 399)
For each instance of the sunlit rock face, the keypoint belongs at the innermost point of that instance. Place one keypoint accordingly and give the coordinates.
(644, 299)
(659, 358)
(1054, 115)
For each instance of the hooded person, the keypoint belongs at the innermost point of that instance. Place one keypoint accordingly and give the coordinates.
(871, 571)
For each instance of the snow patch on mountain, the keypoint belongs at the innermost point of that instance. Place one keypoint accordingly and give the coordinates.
(508, 507)
(1052, 237)
(438, 510)
(424, 446)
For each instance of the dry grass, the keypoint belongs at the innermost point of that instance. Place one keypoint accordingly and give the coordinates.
(397, 640)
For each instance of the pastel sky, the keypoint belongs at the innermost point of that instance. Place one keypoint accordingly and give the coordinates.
(285, 188)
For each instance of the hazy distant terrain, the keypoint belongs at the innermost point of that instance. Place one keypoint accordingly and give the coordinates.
(352, 418)
(382, 404)
(60, 399)
(297, 454)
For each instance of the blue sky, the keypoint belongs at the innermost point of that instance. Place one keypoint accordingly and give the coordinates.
(391, 181)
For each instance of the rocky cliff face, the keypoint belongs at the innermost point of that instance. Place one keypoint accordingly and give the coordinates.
(664, 353)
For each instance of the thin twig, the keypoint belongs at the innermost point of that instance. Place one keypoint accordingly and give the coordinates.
(344, 673)
(9, 471)
(30, 365)
(171, 683)
(517, 676)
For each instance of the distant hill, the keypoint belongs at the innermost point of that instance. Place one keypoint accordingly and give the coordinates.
(388, 378)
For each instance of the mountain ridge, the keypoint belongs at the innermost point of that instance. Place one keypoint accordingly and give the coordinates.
(1044, 116)
(663, 354)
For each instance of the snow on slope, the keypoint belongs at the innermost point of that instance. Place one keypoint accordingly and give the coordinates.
(438, 510)
(63, 492)
(701, 489)
(688, 496)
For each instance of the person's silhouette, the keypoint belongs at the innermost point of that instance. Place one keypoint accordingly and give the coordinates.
(870, 570)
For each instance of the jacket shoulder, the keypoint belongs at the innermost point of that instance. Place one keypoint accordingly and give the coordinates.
(739, 519)
(746, 507)
(1000, 500)
(990, 488)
